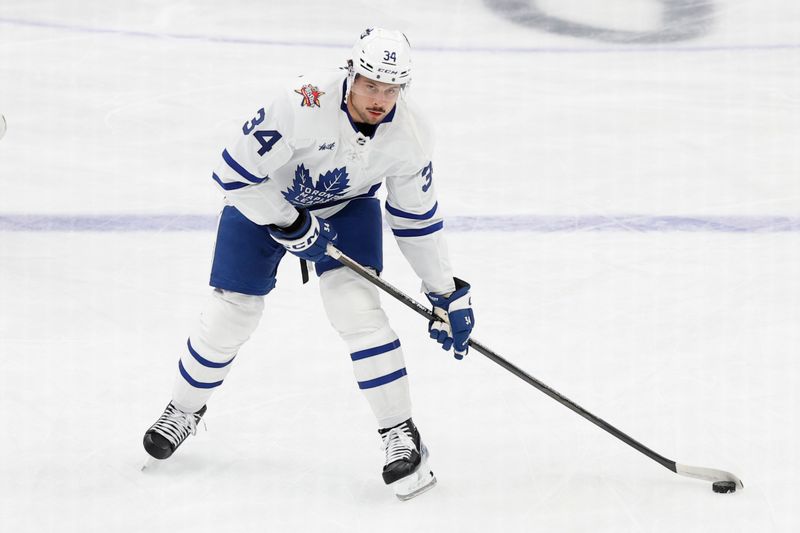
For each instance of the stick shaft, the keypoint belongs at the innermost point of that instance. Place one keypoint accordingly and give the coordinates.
(493, 356)
(708, 474)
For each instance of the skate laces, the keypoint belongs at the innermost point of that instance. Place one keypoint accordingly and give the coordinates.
(398, 443)
(175, 425)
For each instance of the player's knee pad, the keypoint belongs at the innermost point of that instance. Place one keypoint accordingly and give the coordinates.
(226, 322)
(352, 305)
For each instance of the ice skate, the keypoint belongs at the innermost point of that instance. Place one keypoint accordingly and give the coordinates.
(406, 468)
(170, 430)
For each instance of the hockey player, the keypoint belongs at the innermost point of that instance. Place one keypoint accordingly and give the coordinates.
(303, 172)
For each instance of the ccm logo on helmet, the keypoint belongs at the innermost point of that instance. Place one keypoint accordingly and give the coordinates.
(389, 71)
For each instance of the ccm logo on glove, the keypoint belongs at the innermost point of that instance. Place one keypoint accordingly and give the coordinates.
(307, 237)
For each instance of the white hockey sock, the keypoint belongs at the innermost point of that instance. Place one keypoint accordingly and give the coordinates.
(226, 322)
(354, 310)
(380, 372)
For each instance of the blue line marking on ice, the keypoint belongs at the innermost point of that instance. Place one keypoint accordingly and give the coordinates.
(430, 48)
(501, 223)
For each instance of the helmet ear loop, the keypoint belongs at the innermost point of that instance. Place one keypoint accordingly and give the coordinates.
(351, 79)
(405, 89)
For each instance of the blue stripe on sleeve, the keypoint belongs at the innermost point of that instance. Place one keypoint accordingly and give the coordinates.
(418, 232)
(404, 214)
(232, 186)
(370, 352)
(205, 362)
(239, 168)
(193, 382)
(383, 380)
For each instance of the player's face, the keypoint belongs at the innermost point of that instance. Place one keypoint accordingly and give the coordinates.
(370, 101)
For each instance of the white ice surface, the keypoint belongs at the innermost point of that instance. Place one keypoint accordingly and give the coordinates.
(687, 341)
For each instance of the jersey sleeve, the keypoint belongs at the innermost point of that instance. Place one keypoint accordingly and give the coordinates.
(412, 212)
(261, 146)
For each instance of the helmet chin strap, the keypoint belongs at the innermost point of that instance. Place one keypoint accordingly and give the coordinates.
(351, 78)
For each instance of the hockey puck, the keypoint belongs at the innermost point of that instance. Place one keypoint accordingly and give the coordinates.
(723, 487)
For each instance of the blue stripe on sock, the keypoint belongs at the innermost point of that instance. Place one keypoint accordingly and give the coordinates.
(205, 362)
(418, 232)
(239, 168)
(369, 352)
(383, 380)
(193, 382)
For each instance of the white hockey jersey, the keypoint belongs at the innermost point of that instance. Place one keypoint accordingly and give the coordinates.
(302, 150)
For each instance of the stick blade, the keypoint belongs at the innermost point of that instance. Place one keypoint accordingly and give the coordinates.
(708, 474)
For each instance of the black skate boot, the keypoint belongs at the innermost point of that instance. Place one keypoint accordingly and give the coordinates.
(406, 468)
(170, 430)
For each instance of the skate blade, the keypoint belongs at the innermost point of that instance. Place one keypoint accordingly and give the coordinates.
(405, 490)
(149, 463)
(422, 480)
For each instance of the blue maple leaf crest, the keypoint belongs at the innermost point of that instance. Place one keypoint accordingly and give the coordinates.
(304, 192)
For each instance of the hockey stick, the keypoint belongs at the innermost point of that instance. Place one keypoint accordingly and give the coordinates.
(728, 482)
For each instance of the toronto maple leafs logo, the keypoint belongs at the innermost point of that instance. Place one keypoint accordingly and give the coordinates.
(304, 192)
(310, 95)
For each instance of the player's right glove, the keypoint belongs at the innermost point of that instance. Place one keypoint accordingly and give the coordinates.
(456, 319)
(307, 237)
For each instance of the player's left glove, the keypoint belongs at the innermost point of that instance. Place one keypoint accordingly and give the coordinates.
(307, 237)
(455, 319)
